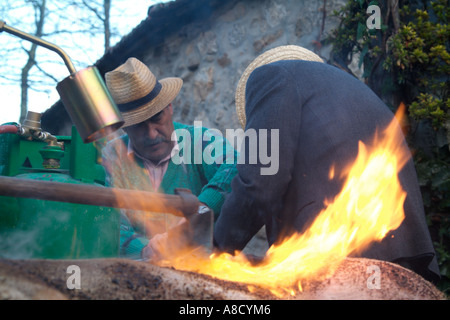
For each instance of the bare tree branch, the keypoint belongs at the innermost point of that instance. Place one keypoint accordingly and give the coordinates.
(73, 24)
(107, 31)
(40, 17)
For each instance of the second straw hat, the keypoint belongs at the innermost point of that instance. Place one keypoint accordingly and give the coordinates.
(288, 52)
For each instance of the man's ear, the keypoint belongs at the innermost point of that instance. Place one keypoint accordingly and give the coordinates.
(169, 107)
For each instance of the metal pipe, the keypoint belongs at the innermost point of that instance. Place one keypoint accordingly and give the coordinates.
(41, 42)
(183, 204)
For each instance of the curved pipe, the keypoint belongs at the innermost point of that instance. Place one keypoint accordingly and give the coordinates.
(41, 42)
(9, 128)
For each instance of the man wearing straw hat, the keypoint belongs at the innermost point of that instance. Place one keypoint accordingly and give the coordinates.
(142, 159)
(321, 113)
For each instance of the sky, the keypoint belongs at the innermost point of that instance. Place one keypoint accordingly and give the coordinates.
(40, 101)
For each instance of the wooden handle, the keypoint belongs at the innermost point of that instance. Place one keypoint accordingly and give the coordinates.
(179, 205)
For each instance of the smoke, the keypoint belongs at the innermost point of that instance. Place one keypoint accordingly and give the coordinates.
(30, 237)
(54, 230)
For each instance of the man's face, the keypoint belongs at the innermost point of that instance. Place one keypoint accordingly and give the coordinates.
(151, 138)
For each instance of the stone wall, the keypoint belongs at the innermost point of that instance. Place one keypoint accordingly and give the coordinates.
(211, 55)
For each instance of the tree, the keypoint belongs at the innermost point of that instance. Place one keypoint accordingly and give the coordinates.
(74, 25)
(104, 18)
(39, 14)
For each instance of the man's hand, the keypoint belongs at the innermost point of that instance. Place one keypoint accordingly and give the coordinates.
(158, 245)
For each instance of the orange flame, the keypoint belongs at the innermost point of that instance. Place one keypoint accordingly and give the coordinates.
(368, 207)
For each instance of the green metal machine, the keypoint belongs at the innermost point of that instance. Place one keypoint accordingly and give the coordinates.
(32, 228)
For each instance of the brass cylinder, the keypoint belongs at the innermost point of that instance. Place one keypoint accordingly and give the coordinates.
(32, 120)
(89, 104)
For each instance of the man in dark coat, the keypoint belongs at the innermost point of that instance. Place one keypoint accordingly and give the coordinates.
(321, 113)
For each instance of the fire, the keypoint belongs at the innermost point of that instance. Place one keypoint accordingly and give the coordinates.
(367, 208)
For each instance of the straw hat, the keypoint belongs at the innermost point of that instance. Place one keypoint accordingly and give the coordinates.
(137, 92)
(289, 52)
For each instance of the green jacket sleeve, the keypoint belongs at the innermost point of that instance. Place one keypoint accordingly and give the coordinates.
(219, 168)
(131, 242)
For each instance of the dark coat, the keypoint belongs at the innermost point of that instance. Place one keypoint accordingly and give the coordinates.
(321, 113)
